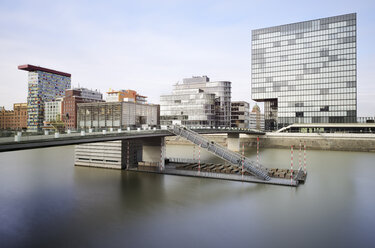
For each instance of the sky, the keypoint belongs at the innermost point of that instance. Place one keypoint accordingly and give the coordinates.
(150, 45)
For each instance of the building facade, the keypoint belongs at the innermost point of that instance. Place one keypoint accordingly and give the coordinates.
(256, 119)
(43, 85)
(240, 114)
(306, 72)
(117, 115)
(197, 102)
(53, 110)
(71, 99)
(125, 96)
(15, 119)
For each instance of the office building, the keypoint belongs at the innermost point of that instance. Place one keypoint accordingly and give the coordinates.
(197, 102)
(15, 119)
(71, 99)
(117, 115)
(43, 85)
(125, 96)
(306, 72)
(256, 119)
(240, 114)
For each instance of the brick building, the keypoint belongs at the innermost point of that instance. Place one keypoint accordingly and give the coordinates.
(71, 99)
(15, 119)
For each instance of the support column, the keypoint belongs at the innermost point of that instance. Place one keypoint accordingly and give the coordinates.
(153, 152)
(233, 142)
(111, 154)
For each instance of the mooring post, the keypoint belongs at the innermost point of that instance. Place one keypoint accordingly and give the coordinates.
(299, 156)
(193, 153)
(127, 158)
(291, 165)
(162, 153)
(304, 157)
(199, 158)
(243, 158)
(258, 151)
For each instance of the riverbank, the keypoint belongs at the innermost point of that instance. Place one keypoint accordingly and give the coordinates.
(315, 141)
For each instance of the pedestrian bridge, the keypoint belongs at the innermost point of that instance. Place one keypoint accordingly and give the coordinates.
(144, 150)
(23, 141)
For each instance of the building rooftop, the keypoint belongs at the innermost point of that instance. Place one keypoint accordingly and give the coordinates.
(38, 68)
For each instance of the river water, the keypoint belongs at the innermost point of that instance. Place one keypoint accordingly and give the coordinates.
(47, 202)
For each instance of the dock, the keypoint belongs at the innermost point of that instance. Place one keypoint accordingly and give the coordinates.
(224, 172)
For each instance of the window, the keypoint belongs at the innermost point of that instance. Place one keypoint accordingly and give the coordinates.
(299, 114)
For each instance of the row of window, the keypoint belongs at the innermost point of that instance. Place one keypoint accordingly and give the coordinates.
(278, 36)
(305, 53)
(290, 69)
(300, 79)
(287, 77)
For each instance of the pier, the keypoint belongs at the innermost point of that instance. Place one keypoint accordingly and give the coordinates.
(148, 155)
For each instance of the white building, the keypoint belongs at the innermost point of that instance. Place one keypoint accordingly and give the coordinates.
(53, 110)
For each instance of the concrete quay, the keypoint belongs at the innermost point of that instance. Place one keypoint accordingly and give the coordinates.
(357, 142)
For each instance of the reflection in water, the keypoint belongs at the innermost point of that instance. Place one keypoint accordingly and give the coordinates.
(46, 201)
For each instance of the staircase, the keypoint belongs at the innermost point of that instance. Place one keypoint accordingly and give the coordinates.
(220, 151)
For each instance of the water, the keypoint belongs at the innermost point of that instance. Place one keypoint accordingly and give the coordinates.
(47, 202)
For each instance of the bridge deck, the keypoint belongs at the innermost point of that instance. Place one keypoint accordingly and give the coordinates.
(30, 141)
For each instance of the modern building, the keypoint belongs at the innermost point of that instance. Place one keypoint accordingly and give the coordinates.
(240, 114)
(306, 72)
(43, 85)
(197, 102)
(117, 115)
(125, 96)
(15, 119)
(256, 119)
(71, 99)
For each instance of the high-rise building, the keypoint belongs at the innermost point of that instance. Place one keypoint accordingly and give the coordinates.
(43, 85)
(306, 72)
(15, 119)
(197, 102)
(72, 98)
(240, 114)
(125, 96)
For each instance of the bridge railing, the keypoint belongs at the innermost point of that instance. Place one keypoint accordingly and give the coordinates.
(21, 136)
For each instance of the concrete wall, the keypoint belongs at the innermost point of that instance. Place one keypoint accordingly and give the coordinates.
(326, 141)
(334, 142)
(111, 154)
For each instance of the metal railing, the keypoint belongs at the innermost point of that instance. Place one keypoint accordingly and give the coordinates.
(220, 151)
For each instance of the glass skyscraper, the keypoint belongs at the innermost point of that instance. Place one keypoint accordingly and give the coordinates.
(306, 72)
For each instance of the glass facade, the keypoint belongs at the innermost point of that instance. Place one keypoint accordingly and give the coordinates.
(197, 102)
(306, 72)
(117, 115)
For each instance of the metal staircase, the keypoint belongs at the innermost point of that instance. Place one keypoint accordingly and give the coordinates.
(222, 152)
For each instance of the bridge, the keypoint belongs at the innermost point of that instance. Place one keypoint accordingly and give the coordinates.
(20, 142)
(144, 150)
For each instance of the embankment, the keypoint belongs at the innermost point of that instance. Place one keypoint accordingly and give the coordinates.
(316, 141)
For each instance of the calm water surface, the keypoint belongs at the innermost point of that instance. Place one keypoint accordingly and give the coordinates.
(47, 202)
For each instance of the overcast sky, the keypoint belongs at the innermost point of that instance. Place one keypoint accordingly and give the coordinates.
(150, 45)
